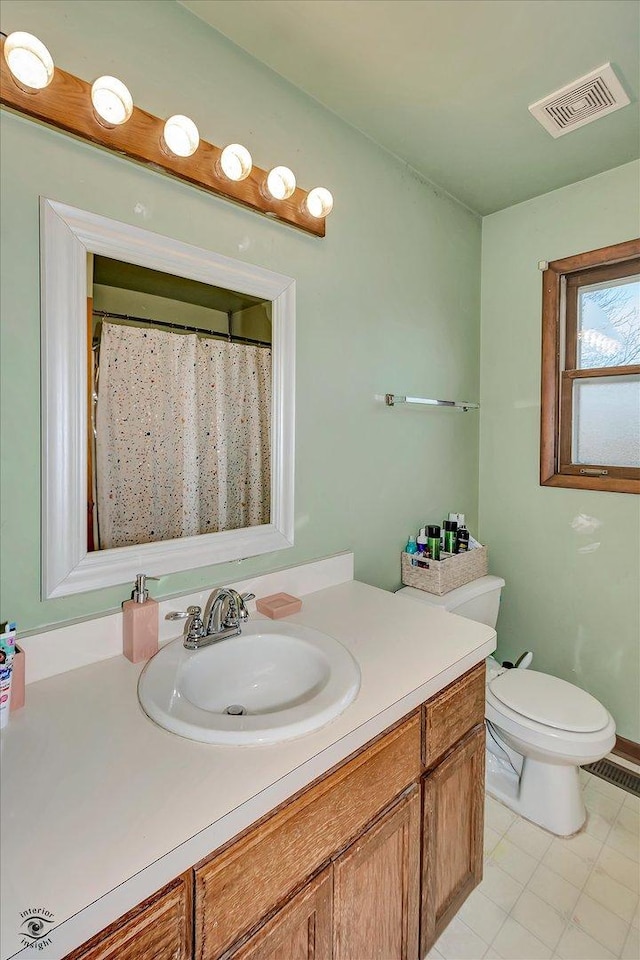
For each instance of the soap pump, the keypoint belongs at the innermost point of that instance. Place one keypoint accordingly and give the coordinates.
(140, 623)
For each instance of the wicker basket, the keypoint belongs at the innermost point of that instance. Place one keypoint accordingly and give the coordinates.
(441, 576)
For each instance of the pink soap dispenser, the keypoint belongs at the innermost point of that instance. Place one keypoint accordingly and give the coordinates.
(140, 623)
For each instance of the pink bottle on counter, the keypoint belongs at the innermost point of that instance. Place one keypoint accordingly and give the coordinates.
(140, 623)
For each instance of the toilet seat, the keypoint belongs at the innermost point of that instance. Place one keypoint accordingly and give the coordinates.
(549, 701)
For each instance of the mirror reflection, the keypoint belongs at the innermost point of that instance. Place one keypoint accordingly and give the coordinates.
(180, 376)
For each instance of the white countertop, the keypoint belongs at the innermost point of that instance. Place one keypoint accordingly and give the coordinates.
(100, 807)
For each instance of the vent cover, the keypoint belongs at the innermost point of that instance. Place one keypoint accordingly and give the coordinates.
(592, 96)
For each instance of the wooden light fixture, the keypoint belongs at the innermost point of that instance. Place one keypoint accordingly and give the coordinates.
(65, 103)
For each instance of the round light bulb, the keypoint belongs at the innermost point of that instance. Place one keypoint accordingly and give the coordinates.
(281, 183)
(181, 136)
(111, 101)
(235, 162)
(28, 60)
(319, 202)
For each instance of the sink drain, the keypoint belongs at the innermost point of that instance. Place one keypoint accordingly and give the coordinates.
(236, 710)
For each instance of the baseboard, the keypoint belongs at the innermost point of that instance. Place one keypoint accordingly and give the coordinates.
(628, 749)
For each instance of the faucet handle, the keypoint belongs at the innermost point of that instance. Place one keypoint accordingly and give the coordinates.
(243, 598)
(194, 628)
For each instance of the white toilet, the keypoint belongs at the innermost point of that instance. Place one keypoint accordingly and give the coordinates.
(540, 729)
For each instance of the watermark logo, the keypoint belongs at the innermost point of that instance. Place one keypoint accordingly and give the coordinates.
(36, 923)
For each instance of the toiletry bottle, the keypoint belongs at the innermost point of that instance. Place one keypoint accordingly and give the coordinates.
(450, 531)
(462, 540)
(433, 541)
(422, 543)
(140, 623)
(412, 546)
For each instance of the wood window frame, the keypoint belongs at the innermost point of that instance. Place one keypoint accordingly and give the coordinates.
(560, 282)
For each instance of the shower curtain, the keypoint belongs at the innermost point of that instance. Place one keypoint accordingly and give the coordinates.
(182, 435)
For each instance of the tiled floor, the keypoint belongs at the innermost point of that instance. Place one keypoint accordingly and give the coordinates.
(544, 897)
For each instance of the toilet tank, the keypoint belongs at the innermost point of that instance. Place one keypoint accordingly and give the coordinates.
(478, 600)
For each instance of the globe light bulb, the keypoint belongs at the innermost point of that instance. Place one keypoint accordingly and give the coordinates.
(181, 136)
(29, 61)
(235, 162)
(281, 183)
(319, 202)
(111, 101)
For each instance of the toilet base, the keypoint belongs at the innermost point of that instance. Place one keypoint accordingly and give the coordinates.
(548, 794)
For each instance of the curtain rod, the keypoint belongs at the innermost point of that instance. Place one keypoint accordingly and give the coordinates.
(214, 334)
(391, 399)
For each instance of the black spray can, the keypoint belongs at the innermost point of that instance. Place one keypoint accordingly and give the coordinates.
(462, 540)
(433, 542)
(450, 536)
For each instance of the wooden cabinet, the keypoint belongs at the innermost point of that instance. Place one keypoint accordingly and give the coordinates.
(370, 861)
(160, 928)
(453, 817)
(377, 888)
(239, 886)
(301, 930)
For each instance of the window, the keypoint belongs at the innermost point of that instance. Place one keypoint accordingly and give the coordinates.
(590, 418)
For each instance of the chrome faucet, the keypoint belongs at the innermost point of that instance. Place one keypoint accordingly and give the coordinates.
(224, 613)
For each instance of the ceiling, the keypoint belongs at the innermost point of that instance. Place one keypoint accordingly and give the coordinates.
(445, 84)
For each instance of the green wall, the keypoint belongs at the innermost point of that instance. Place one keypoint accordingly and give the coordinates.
(389, 301)
(571, 558)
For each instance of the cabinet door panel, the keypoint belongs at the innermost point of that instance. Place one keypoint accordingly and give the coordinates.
(453, 816)
(302, 930)
(157, 929)
(376, 888)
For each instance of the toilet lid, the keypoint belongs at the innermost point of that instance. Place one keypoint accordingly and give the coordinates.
(549, 700)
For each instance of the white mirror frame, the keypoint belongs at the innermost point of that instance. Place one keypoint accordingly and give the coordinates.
(67, 236)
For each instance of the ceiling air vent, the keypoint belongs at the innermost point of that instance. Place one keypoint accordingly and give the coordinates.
(592, 96)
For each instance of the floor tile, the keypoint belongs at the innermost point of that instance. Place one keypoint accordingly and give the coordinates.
(629, 819)
(499, 887)
(497, 816)
(601, 924)
(566, 863)
(624, 842)
(533, 840)
(539, 918)
(631, 949)
(517, 943)
(514, 861)
(607, 807)
(607, 789)
(619, 867)
(434, 954)
(630, 800)
(583, 845)
(554, 890)
(491, 838)
(575, 944)
(492, 954)
(585, 777)
(458, 942)
(597, 826)
(636, 920)
(482, 915)
(611, 894)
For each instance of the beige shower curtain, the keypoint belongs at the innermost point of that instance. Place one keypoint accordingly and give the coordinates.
(182, 435)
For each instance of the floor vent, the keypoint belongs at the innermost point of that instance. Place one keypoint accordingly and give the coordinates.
(586, 99)
(612, 773)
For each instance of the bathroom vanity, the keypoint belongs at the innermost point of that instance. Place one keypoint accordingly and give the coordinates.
(359, 840)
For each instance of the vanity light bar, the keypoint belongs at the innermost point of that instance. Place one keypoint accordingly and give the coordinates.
(69, 103)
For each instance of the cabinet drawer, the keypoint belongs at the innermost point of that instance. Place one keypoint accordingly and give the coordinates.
(157, 929)
(248, 880)
(453, 712)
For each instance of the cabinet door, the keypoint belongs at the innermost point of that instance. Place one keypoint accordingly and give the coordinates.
(157, 929)
(301, 930)
(453, 813)
(377, 888)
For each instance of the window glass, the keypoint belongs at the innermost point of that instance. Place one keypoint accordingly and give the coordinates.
(609, 324)
(606, 421)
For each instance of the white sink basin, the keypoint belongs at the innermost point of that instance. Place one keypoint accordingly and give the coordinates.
(289, 680)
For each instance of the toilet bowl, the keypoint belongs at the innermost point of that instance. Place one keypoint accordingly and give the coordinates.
(540, 729)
